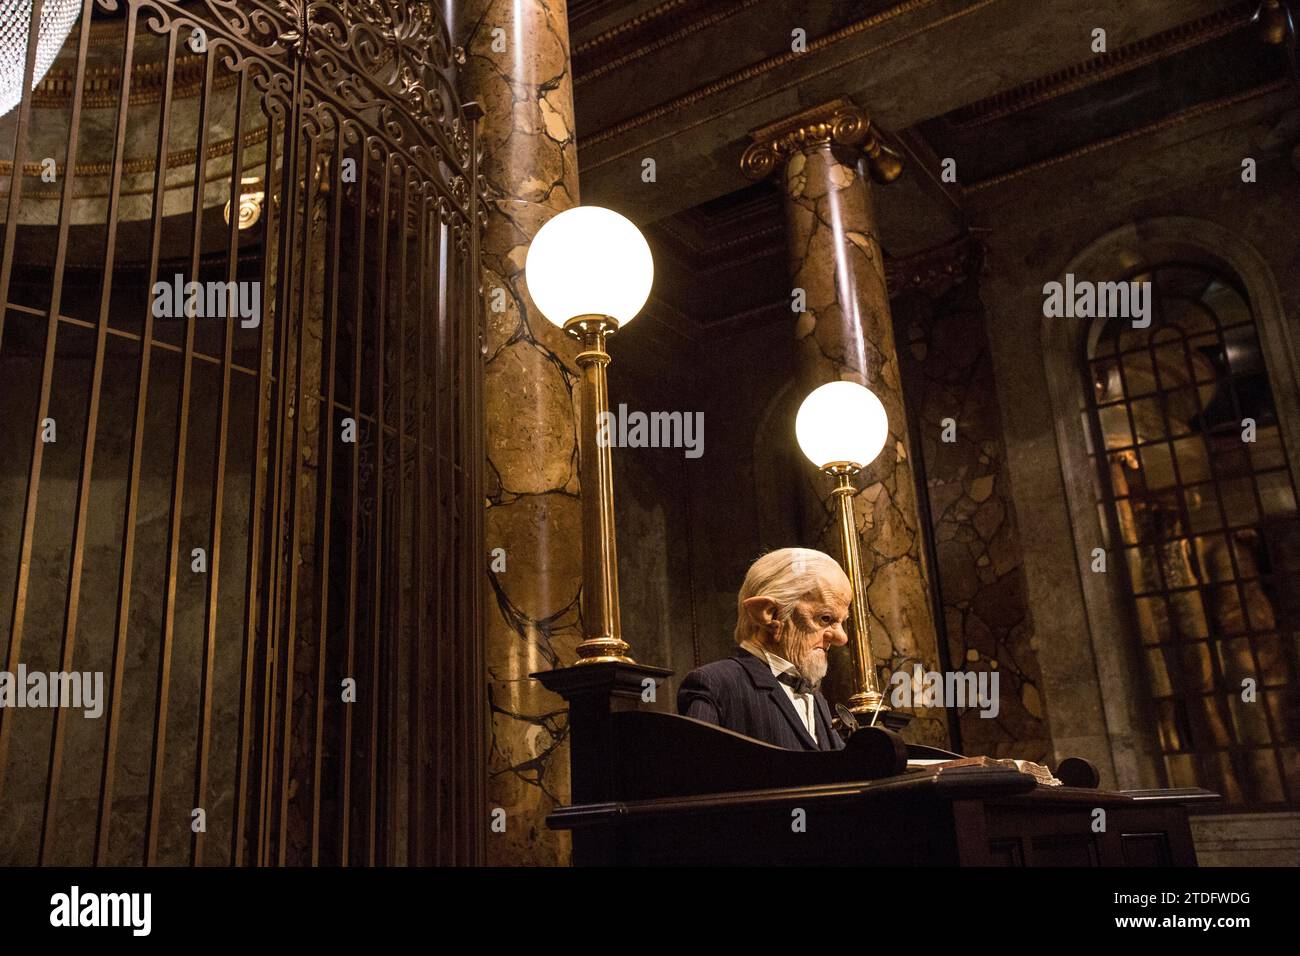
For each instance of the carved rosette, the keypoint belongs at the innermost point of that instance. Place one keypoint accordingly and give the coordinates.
(838, 124)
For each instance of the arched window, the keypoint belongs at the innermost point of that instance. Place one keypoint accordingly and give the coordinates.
(1200, 505)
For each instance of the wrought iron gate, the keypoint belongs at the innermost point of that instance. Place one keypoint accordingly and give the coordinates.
(240, 437)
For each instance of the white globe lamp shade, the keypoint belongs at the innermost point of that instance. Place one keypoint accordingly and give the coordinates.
(589, 261)
(841, 423)
(57, 18)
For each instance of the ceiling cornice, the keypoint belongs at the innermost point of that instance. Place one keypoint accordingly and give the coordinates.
(1168, 122)
(1103, 67)
(772, 63)
(662, 26)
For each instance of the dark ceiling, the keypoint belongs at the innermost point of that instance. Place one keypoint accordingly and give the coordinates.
(1134, 87)
(723, 260)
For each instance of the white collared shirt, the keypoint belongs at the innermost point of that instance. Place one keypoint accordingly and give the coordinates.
(804, 704)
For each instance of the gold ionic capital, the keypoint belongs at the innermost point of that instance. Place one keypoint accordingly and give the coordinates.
(838, 123)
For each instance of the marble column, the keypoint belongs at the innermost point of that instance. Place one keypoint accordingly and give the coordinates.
(824, 158)
(517, 67)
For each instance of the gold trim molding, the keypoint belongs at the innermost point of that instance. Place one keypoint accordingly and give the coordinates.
(629, 26)
(102, 86)
(838, 123)
(145, 164)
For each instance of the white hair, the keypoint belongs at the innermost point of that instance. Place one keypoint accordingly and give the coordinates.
(786, 576)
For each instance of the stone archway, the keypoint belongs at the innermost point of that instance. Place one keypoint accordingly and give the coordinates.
(1125, 703)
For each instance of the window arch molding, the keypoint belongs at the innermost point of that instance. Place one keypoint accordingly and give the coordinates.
(1123, 252)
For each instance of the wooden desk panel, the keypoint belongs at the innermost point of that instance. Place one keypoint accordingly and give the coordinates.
(653, 788)
(971, 816)
(1054, 827)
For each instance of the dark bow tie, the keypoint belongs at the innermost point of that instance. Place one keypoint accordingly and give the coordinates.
(800, 685)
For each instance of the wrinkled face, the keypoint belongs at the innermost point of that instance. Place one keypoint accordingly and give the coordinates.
(817, 623)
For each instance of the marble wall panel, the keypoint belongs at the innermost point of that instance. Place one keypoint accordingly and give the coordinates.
(517, 68)
(948, 377)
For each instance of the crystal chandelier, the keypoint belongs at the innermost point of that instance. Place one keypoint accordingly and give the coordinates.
(57, 18)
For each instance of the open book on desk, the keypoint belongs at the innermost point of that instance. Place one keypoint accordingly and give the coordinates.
(1036, 770)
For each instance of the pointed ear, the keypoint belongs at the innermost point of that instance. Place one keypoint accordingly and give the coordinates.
(762, 611)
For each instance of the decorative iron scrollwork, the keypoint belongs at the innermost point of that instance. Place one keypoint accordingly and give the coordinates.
(392, 57)
(390, 62)
(297, 38)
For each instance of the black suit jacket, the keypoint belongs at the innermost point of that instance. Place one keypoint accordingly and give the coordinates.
(741, 694)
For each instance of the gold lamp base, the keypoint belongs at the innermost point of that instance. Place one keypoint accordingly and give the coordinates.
(869, 702)
(604, 650)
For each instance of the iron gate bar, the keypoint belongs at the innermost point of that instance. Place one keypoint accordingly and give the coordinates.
(460, 731)
(11, 229)
(33, 476)
(73, 599)
(379, 581)
(395, 790)
(269, 333)
(358, 339)
(283, 502)
(391, 683)
(427, 631)
(296, 295)
(440, 582)
(163, 699)
(470, 672)
(137, 434)
(326, 436)
(199, 837)
(415, 580)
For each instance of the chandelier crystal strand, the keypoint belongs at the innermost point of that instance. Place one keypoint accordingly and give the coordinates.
(57, 18)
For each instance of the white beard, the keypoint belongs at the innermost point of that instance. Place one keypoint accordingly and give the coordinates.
(811, 665)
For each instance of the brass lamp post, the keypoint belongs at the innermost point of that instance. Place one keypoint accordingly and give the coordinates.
(841, 428)
(589, 271)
